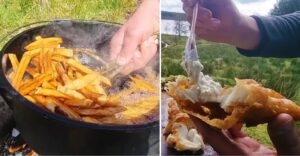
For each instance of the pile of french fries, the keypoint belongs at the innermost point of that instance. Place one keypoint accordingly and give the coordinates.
(52, 77)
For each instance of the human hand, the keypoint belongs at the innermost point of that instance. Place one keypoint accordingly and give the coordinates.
(284, 135)
(134, 44)
(232, 141)
(221, 21)
(235, 142)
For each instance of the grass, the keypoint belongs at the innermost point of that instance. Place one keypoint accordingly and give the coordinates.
(224, 63)
(15, 13)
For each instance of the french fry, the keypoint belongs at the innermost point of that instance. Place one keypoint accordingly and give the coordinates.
(20, 71)
(72, 93)
(141, 84)
(90, 119)
(70, 73)
(55, 83)
(108, 111)
(104, 80)
(51, 93)
(116, 97)
(79, 66)
(102, 99)
(78, 102)
(40, 100)
(44, 42)
(33, 84)
(35, 61)
(65, 109)
(14, 61)
(58, 58)
(32, 71)
(49, 52)
(89, 94)
(81, 82)
(78, 75)
(42, 57)
(141, 107)
(30, 98)
(47, 85)
(62, 72)
(63, 52)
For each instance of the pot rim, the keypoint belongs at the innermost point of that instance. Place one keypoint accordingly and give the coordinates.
(4, 83)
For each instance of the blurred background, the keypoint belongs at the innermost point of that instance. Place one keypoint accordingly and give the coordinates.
(223, 62)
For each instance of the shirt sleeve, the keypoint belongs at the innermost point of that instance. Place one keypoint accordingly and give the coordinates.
(280, 36)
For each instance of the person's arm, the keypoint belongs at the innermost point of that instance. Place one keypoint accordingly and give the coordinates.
(279, 36)
(221, 21)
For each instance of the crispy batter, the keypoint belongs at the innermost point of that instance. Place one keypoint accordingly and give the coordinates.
(254, 106)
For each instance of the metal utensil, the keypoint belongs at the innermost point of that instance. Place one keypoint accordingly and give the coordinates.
(108, 69)
(190, 52)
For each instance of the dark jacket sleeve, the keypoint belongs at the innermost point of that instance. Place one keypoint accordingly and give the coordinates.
(280, 36)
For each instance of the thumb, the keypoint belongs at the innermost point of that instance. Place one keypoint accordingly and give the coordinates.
(130, 45)
(284, 135)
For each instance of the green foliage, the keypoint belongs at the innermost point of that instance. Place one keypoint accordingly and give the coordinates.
(16, 13)
(259, 133)
(285, 6)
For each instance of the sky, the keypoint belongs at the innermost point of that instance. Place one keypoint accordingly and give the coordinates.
(248, 7)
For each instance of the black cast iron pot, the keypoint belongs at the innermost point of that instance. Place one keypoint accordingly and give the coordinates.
(49, 133)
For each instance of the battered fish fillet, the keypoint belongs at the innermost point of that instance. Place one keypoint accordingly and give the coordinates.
(180, 132)
(247, 102)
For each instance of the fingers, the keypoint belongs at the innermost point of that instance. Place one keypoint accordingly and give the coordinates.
(217, 139)
(141, 57)
(130, 44)
(116, 44)
(236, 131)
(284, 135)
(205, 22)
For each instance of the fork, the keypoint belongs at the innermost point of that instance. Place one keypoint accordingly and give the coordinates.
(108, 69)
(190, 52)
(112, 69)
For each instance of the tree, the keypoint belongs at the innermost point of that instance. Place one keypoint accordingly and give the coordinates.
(180, 28)
(285, 7)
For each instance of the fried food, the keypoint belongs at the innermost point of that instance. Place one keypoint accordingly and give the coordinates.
(180, 132)
(247, 102)
(52, 77)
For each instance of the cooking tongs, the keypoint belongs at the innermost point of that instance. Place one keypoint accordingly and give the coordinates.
(190, 52)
